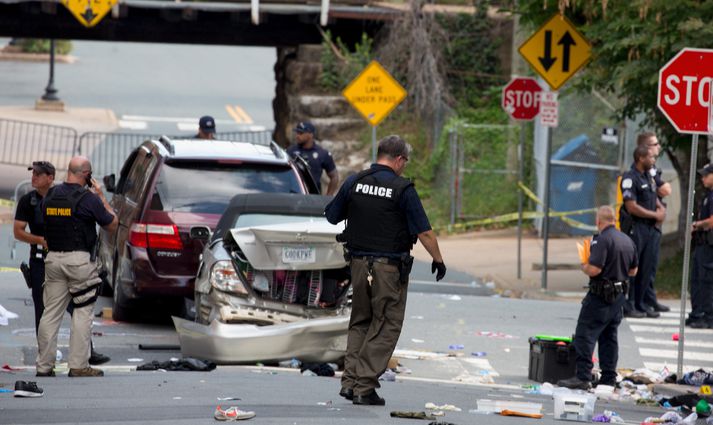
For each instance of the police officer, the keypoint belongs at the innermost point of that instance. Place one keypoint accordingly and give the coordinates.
(71, 213)
(384, 217)
(316, 156)
(29, 212)
(641, 202)
(701, 315)
(206, 128)
(611, 261)
(663, 189)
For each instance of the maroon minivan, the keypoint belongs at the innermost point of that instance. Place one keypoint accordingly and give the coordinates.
(165, 188)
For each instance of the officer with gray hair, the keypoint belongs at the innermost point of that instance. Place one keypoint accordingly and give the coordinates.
(384, 218)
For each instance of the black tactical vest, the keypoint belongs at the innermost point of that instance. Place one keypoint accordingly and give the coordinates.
(374, 220)
(64, 231)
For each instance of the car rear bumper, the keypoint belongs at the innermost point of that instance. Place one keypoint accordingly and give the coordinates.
(310, 340)
(144, 281)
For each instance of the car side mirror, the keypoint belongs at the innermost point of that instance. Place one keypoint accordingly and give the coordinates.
(201, 233)
(110, 183)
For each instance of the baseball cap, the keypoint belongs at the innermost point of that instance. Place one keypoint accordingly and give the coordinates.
(305, 127)
(207, 124)
(42, 167)
(708, 169)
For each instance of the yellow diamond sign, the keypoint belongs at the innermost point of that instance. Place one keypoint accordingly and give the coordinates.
(556, 51)
(374, 93)
(89, 12)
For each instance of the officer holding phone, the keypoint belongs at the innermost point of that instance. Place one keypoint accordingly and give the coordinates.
(384, 217)
(71, 212)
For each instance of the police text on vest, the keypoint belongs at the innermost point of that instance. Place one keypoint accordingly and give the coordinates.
(368, 189)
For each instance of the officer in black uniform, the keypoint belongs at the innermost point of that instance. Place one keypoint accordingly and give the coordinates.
(701, 316)
(384, 217)
(29, 212)
(641, 202)
(71, 212)
(611, 261)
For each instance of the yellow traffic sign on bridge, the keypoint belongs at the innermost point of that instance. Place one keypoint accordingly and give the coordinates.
(556, 51)
(89, 12)
(374, 93)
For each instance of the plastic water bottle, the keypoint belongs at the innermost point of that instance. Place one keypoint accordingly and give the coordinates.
(58, 357)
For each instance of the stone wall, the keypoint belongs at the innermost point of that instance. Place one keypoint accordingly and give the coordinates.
(299, 97)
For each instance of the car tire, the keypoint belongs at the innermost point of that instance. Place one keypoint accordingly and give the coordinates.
(121, 311)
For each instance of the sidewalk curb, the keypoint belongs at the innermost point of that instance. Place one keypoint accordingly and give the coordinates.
(7, 54)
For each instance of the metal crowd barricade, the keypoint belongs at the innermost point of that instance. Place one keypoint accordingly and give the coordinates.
(23, 142)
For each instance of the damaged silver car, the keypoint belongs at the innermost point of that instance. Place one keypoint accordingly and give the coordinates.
(273, 284)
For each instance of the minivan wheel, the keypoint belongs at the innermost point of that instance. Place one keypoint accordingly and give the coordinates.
(121, 312)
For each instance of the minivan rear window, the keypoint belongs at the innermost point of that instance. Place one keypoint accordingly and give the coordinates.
(207, 187)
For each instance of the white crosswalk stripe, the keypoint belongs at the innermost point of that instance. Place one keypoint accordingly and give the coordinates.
(658, 349)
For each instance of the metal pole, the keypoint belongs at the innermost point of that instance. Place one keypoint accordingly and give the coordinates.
(520, 172)
(686, 253)
(452, 143)
(373, 143)
(50, 91)
(546, 223)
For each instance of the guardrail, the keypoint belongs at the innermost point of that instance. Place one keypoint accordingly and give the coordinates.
(23, 142)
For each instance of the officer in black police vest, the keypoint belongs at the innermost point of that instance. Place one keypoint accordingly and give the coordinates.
(641, 202)
(701, 316)
(384, 217)
(71, 213)
(612, 260)
(29, 213)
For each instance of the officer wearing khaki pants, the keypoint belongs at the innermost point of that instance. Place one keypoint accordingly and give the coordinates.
(384, 217)
(71, 213)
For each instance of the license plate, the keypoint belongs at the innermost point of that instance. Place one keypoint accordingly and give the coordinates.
(298, 255)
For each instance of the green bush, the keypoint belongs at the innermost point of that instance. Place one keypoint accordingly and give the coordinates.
(37, 45)
(339, 68)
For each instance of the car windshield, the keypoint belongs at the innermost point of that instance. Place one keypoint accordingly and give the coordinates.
(251, 220)
(201, 187)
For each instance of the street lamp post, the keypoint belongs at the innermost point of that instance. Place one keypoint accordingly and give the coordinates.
(51, 92)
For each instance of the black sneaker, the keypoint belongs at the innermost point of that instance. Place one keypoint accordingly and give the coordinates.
(49, 374)
(661, 308)
(28, 389)
(574, 383)
(634, 314)
(700, 324)
(347, 393)
(650, 312)
(98, 358)
(371, 399)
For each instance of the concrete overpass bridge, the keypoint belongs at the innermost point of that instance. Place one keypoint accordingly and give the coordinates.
(279, 23)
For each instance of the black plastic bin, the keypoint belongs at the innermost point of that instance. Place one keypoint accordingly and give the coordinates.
(551, 360)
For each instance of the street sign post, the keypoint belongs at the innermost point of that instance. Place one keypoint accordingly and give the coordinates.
(521, 98)
(374, 93)
(684, 96)
(89, 12)
(556, 51)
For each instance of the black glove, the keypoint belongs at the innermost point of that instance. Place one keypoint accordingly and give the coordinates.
(441, 267)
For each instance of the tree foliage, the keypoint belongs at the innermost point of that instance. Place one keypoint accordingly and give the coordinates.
(631, 41)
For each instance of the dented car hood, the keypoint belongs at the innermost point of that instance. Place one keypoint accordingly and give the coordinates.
(301, 245)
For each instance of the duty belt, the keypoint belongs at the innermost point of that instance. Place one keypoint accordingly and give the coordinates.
(609, 291)
(375, 259)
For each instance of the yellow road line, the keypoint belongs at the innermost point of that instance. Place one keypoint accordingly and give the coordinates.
(234, 114)
(243, 114)
(9, 269)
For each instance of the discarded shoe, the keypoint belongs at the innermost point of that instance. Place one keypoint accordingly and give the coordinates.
(98, 358)
(28, 389)
(371, 399)
(86, 372)
(232, 413)
(49, 374)
(347, 393)
(574, 383)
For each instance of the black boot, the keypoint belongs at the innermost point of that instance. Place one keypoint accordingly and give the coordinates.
(371, 399)
(347, 393)
(574, 383)
(98, 358)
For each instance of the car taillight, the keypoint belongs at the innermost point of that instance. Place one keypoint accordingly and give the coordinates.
(224, 277)
(160, 236)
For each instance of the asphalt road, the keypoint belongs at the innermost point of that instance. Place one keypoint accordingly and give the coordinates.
(155, 85)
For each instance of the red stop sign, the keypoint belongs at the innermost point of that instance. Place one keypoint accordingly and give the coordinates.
(521, 98)
(685, 90)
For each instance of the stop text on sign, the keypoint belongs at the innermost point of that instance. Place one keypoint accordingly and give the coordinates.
(520, 98)
(692, 87)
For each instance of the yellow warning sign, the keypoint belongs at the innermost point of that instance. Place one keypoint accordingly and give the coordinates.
(556, 51)
(89, 12)
(706, 389)
(374, 93)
